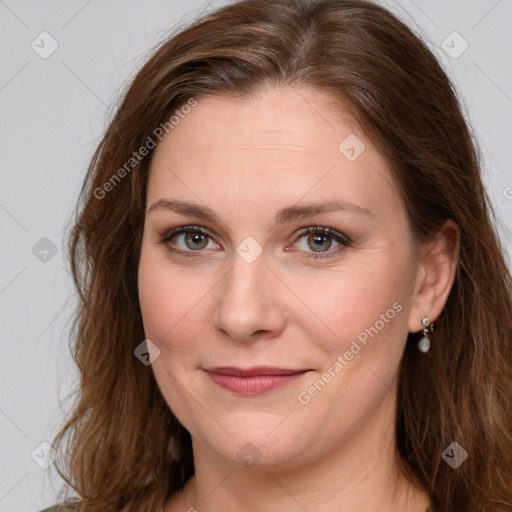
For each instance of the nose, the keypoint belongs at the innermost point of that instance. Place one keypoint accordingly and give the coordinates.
(250, 301)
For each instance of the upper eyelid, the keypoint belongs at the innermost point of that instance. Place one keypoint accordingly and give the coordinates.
(326, 230)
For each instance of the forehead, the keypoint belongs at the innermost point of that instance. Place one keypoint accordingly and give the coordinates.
(283, 143)
(301, 115)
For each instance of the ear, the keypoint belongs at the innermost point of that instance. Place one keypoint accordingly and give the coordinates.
(436, 269)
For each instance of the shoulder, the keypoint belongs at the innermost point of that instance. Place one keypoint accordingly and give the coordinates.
(61, 507)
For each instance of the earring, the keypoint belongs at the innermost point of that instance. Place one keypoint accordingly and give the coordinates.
(424, 343)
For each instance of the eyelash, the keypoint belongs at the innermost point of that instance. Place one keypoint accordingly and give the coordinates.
(342, 239)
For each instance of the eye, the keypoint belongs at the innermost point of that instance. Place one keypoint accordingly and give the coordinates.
(319, 239)
(195, 238)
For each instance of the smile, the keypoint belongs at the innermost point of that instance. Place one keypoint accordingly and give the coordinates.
(254, 381)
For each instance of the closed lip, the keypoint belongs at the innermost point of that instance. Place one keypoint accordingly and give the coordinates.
(254, 371)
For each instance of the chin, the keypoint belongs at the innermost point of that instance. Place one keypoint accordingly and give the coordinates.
(261, 443)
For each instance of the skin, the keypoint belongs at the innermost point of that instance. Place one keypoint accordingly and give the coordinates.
(246, 159)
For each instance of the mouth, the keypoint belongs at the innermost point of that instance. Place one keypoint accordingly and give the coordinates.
(253, 381)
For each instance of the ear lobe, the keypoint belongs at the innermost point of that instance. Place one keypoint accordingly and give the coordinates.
(437, 268)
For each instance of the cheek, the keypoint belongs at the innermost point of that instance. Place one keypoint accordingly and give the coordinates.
(170, 321)
(161, 295)
(362, 301)
(169, 301)
(367, 313)
(155, 298)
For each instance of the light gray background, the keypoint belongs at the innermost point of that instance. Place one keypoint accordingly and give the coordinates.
(53, 113)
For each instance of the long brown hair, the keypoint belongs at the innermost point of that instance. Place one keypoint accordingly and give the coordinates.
(121, 447)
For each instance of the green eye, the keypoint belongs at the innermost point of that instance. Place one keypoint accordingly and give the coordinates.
(318, 240)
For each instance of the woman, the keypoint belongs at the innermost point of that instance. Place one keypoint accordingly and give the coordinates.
(292, 295)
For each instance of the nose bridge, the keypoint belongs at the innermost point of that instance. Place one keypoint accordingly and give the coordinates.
(249, 296)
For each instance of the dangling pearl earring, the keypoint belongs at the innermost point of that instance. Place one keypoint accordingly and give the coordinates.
(424, 343)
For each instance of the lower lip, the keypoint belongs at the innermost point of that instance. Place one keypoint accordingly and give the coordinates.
(253, 385)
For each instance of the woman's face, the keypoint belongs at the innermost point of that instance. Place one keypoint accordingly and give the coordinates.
(267, 354)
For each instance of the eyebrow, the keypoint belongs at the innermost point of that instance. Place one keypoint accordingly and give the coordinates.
(284, 215)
